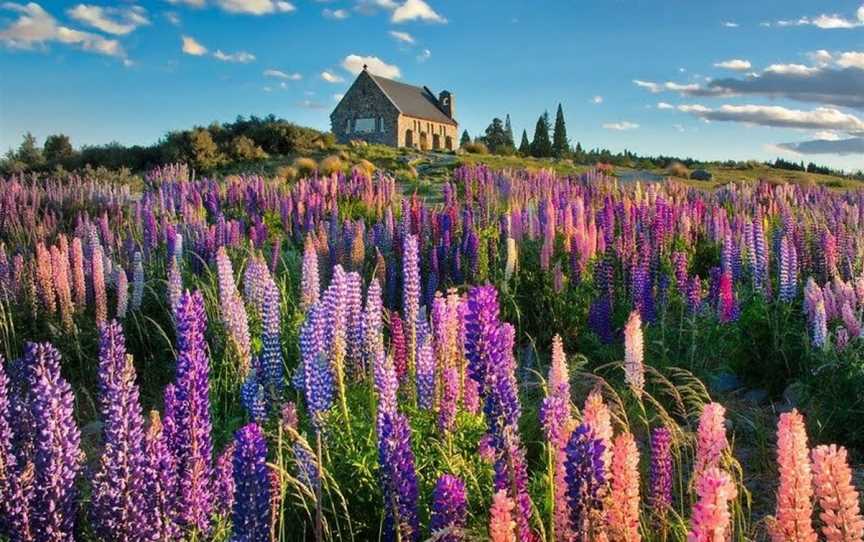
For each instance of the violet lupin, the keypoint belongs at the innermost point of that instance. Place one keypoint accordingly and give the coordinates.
(398, 479)
(122, 286)
(271, 352)
(160, 482)
(118, 486)
(251, 511)
(137, 281)
(660, 473)
(224, 481)
(585, 478)
(175, 284)
(411, 300)
(449, 509)
(318, 377)
(194, 446)
(58, 454)
(425, 366)
(14, 522)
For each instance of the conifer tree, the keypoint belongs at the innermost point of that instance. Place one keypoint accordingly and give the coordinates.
(466, 139)
(508, 131)
(560, 145)
(541, 147)
(525, 146)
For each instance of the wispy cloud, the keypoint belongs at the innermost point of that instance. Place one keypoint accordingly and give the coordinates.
(335, 14)
(821, 118)
(664, 105)
(311, 104)
(424, 55)
(35, 27)
(278, 74)
(729, 24)
(190, 46)
(852, 145)
(403, 37)
(241, 57)
(120, 21)
(622, 126)
(331, 77)
(827, 21)
(597, 100)
(354, 65)
(172, 17)
(256, 7)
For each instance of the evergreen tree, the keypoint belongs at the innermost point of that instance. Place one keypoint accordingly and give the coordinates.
(560, 145)
(57, 148)
(29, 152)
(466, 139)
(508, 131)
(541, 147)
(496, 138)
(525, 146)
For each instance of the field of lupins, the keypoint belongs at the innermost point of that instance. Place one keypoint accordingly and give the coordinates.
(523, 360)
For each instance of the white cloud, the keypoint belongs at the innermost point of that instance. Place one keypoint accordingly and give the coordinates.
(191, 3)
(241, 57)
(370, 7)
(656, 88)
(310, 104)
(413, 10)
(335, 14)
(36, 27)
(404, 37)
(331, 77)
(172, 18)
(597, 100)
(664, 105)
(827, 135)
(820, 57)
(821, 118)
(424, 55)
(120, 21)
(621, 126)
(652, 87)
(277, 74)
(192, 47)
(735, 64)
(354, 65)
(338, 97)
(256, 7)
(851, 59)
(828, 21)
(730, 24)
(791, 69)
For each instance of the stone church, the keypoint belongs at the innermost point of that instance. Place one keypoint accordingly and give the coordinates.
(379, 110)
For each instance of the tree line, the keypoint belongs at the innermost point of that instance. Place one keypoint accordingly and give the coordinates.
(204, 148)
(498, 139)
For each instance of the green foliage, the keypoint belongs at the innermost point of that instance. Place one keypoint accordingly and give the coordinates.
(560, 143)
(497, 139)
(541, 146)
(465, 138)
(58, 148)
(244, 149)
(525, 145)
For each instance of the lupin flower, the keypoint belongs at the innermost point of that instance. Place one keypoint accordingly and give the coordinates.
(14, 509)
(137, 281)
(449, 398)
(194, 447)
(224, 481)
(623, 514)
(57, 454)
(254, 398)
(122, 284)
(79, 284)
(634, 369)
(819, 325)
(273, 372)
(175, 284)
(118, 486)
(596, 416)
(449, 509)
(160, 483)
(398, 479)
(251, 513)
(233, 310)
(711, 440)
(310, 287)
(586, 476)
(792, 520)
(97, 276)
(411, 299)
(727, 304)
(425, 366)
(660, 473)
(502, 528)
(511, 264)
(788, 269)
(838, 500)
(711, 519)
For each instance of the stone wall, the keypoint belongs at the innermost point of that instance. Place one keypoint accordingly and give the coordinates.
(365, 100)
(426, 131)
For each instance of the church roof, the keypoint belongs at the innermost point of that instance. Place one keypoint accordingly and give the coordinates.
(413, 101)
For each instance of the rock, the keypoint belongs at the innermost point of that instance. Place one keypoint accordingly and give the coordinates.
(701, 175)
(725, 382)
(756, 396)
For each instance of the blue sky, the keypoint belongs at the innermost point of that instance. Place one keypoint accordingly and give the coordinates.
(711, 80)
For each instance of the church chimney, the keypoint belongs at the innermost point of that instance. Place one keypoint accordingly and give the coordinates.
(447, 103)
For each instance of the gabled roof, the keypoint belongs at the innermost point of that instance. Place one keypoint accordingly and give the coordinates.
(412, 101)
